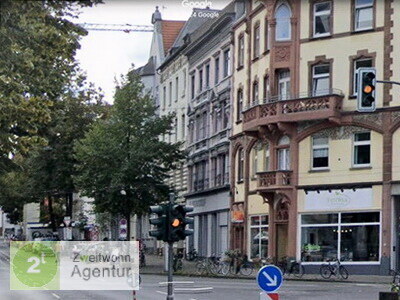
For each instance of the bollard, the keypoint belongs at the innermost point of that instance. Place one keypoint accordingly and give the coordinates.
(388, 296)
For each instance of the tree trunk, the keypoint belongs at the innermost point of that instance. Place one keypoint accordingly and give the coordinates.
(52, 217)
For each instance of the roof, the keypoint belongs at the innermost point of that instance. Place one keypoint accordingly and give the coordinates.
(148, 69)
(170, 30)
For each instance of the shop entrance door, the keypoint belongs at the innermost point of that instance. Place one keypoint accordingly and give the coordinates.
(281, 240)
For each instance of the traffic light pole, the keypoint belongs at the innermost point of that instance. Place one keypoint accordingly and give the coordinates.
(170, 295)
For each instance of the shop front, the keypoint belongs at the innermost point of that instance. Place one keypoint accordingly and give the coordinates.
(342, 224)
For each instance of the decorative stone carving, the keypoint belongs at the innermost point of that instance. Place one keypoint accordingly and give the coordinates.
(376, 119)
(339, 133)
(282, 54)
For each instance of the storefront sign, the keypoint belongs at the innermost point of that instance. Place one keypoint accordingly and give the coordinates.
(237, 216)
(338, 199)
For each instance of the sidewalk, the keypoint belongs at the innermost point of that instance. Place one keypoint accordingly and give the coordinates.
(155, 265)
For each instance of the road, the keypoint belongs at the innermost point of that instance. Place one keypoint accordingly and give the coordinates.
(232, 289)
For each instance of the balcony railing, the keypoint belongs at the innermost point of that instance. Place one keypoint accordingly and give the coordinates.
(274, 179)
(293, 108)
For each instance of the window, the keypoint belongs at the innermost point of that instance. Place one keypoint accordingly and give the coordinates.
(200, 80)
(266, 93)
(256, 41)
(259, 236)
(320, 152)
(239, 105)
(255, 93)
(240, 164)
(227, 62)
(360, 63)
(321, 80)
(364, 14)
(216, 70)
(176, 88)
(266, 157)
(362, 149)
(266, 35)
(241, 51)
(255, 160)
(192, 85)
(183, 128)
(322, 19)
(207, 76)
(164, 97)
(345, 236)
(170, 93)
(284, 154)
(283, 30)
(284, 84)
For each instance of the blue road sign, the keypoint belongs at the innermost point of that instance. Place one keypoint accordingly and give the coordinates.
(270, 278)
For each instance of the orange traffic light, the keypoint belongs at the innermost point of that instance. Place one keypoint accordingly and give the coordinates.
(368, 89)
(175, 223)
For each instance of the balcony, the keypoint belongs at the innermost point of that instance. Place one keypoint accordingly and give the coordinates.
(273, 180)
(294, 108)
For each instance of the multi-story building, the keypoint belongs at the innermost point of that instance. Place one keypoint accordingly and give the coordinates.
(209, 109)
(311, 177)
(174, 95)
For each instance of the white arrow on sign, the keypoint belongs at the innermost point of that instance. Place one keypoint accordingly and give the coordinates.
(272, 282)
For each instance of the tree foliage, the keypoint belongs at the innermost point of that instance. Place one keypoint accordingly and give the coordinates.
(122, 163)
(38, 44)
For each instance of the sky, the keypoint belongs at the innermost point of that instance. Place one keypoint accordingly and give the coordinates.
(105, 55)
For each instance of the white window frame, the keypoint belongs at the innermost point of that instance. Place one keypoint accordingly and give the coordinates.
(259, 227)
(318, 147)
(358, 8)
(322, 13)
(227, 62)
(285, 81)
(290, 25)
(257, 41)
(355, 78)
(316, 77)
(339, 225)
(241, 51)
(361, 143)
(285, 161)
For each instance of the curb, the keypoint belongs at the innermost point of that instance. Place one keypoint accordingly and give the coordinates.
(184, 274)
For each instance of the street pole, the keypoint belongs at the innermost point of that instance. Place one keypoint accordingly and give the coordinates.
(170, 295)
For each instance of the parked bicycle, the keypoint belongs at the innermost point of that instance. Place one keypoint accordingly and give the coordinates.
(395, 281)
(335, 269)
(236, 265)
(291, 267)
(209, 265)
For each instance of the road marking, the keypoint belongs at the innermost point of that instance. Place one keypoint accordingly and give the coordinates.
(162, 293)
(55, 295)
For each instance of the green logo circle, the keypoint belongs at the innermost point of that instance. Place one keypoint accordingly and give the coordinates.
(35, 264)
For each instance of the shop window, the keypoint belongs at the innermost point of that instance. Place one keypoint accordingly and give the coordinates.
(283, 30)
(352, 237)
(364, 14)
(321, 80)
(360, 63)
(322, 19)
(362, 149)
(320, 152)
(259, 236)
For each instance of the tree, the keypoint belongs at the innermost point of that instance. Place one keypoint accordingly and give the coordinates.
(38, 45)
(122, 163)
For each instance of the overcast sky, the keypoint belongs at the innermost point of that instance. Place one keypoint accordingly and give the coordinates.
(105, 55)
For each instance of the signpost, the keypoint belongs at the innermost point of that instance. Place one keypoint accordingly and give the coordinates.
(269, 279)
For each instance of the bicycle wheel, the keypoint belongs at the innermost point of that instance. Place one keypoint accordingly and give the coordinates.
(343, 272)
(298, 270)
(225, 268)
(246, 269)
(201, 268)
(325, 271)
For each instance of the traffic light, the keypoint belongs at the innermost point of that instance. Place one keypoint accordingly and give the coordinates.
(160, 221)
(177, 221)
(366, 89)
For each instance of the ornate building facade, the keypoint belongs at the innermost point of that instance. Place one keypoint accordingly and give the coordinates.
(313, 178)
